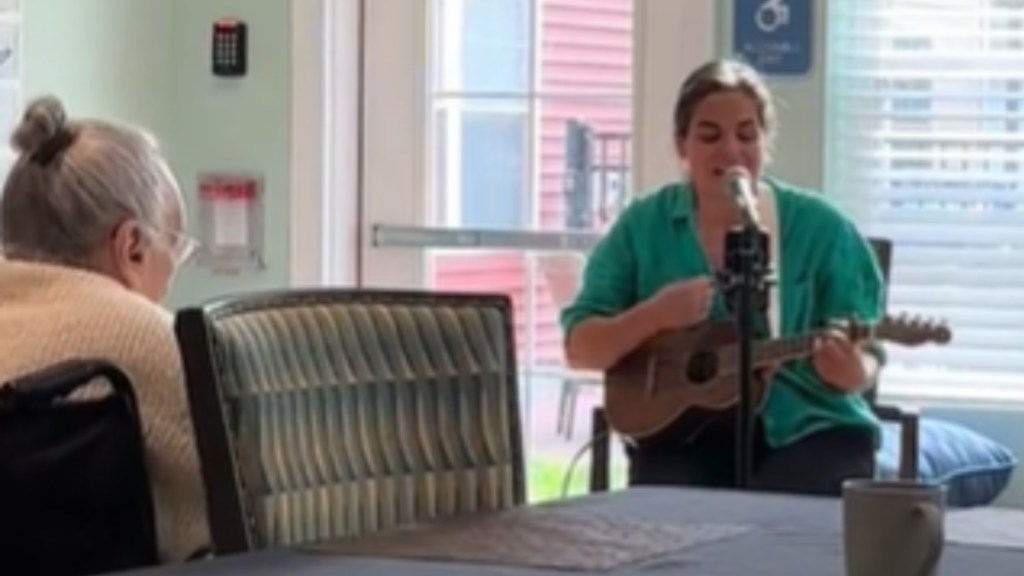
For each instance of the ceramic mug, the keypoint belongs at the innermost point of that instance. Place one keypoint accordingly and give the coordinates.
(895, 528)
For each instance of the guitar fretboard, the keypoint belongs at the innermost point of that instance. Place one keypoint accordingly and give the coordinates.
(907, 332)
(788, 347)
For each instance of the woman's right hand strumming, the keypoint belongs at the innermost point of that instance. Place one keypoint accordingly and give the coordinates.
(681, 304)
(599, 342)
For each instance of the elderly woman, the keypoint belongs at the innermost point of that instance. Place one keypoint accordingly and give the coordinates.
(92, 234)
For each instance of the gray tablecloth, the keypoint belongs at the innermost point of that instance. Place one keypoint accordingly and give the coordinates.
(789, 537)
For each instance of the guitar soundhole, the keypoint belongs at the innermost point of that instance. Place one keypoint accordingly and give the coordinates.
(702, 368)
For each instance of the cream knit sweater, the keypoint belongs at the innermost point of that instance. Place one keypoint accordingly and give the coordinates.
(50, 313)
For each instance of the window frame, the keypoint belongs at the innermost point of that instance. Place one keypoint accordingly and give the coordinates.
(445, 197)
(450, 187)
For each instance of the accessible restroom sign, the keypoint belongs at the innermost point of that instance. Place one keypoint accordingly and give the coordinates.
(774, 36)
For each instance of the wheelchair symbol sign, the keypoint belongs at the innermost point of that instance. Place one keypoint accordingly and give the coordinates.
(774, 36)
(772, 15)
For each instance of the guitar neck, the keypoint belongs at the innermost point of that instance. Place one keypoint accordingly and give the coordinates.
(787, 348)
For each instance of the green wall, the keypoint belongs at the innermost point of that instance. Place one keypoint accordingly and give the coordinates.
(147, 61)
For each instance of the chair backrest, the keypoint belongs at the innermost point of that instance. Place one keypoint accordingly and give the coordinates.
(75, 495)
(882, 248)
(328, 413)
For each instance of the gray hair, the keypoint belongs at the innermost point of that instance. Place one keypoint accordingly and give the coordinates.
(75, 181)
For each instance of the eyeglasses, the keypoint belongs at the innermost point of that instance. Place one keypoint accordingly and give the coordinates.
(183, 248)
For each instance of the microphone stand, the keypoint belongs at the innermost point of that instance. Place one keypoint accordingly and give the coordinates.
(745, 282)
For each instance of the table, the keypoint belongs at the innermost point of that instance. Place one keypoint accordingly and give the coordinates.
(795, 536)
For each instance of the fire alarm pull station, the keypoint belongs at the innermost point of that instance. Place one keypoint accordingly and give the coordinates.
(230, 47)
(230, 222)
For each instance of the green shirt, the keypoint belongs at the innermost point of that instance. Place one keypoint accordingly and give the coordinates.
(828, 272)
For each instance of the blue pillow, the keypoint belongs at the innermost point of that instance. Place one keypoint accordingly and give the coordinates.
(974, 467)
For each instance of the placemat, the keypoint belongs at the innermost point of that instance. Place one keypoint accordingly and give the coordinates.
(538, 538)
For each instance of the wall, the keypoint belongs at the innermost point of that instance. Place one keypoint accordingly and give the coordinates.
(94, 71)
(147, 61)
(235, 124)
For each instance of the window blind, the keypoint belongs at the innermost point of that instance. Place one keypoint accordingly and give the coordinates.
(924, 122)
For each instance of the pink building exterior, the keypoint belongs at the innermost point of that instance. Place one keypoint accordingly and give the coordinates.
(585, 48)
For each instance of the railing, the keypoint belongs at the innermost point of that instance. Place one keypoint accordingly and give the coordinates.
(437, 237)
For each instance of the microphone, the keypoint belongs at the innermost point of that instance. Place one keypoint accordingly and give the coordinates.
(740, 189)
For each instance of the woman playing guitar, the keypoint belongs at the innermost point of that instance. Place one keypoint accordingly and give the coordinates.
(655, 270)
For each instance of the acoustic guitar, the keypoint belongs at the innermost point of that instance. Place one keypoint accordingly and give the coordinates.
(695, 372)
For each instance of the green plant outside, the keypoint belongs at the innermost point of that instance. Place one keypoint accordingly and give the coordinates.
(545, 479)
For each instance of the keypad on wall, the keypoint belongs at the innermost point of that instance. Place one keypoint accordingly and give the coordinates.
(229, 47)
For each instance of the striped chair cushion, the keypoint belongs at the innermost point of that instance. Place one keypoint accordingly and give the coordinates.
(348, 418)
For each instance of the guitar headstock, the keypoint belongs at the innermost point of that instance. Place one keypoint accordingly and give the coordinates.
(912, 330)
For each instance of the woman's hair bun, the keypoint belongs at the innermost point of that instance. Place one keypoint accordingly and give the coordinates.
(43, 119)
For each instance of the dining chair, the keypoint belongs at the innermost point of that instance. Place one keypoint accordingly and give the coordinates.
(321, 414)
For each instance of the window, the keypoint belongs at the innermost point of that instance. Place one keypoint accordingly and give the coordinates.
(485, 52)
(531, 131)
(925, 113)
(494, 46)
(493, 169)
(520, 78)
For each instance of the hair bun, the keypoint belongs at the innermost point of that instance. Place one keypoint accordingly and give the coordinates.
(43, 119)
